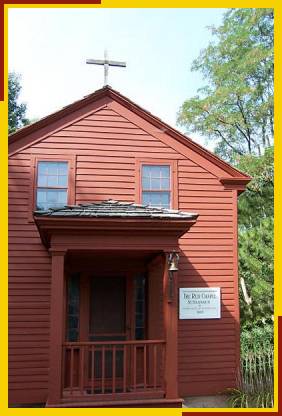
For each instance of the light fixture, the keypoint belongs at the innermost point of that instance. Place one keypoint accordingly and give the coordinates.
(173, 259)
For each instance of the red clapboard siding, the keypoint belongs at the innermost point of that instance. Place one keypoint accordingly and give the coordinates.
(106, 146)
(210, 239)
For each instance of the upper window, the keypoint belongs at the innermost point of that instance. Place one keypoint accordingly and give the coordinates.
(156, 186)
(52, 185)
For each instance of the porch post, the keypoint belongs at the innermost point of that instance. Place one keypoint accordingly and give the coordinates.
(56, 326)
(170, 327)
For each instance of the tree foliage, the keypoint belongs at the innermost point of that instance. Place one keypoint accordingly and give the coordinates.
(256, 238)
(235, 107)
(16, 111)
(256, 268)
(257, 202)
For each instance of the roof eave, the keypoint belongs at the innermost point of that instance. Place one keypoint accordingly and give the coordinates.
(24, 131)
(49, 226)
(236, 183)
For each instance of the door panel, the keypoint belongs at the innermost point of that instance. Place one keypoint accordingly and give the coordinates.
(107, 320)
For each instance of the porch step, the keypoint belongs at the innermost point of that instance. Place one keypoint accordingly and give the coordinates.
(123, 403)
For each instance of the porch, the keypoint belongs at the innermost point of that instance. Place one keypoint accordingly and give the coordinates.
(113, 349)
(113, 310)
(115, 370)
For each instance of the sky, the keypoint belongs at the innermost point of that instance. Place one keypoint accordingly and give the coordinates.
(49, 47)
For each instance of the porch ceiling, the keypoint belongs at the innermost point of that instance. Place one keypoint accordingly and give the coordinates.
(105, 224)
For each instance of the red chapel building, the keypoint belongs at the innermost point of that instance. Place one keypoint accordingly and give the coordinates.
(123, 268)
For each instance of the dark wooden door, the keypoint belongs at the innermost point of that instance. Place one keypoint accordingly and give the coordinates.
(107, 322)
(107, 315)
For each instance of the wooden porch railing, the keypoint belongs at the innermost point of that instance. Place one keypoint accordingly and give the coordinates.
(113, 369)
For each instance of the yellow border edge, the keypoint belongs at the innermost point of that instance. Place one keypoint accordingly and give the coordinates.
(4, 202)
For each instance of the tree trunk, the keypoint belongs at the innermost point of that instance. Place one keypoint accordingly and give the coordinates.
(247, 298)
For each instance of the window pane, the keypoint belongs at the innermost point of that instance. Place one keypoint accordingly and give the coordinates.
(155, 184)
(164, 184)
(73, 307)
(73, 321)
(145, 183)
(52, 180)
(63, 169)
(156, 199)
(155, 177)
(53, 168)
(140, 306)
(41, 196)
(62, 197)
(51, 198)
(52, 174)
(42, 168)
(155, 171)
(146, 171)
(145, 198)
(152, 198)
(165, 171)
(63, 180)
(42, 180)
(165, 199)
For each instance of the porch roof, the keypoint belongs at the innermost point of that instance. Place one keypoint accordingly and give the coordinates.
(114, 224)
(116, 209)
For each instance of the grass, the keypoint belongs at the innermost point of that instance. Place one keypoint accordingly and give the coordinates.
(255, 386)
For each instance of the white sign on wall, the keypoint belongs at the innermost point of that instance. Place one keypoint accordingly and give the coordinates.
(199, 303)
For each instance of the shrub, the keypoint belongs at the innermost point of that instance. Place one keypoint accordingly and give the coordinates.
(255, 384)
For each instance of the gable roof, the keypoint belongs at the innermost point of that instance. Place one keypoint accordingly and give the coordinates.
(116, 209)
(109, 92)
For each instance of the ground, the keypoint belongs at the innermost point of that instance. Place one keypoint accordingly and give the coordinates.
(218, 401)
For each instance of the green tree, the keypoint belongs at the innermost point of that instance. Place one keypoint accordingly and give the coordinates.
(235, 107)
(16, 111)
(256, 272)
(235, 110)
(257, 202)
(256, 240)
